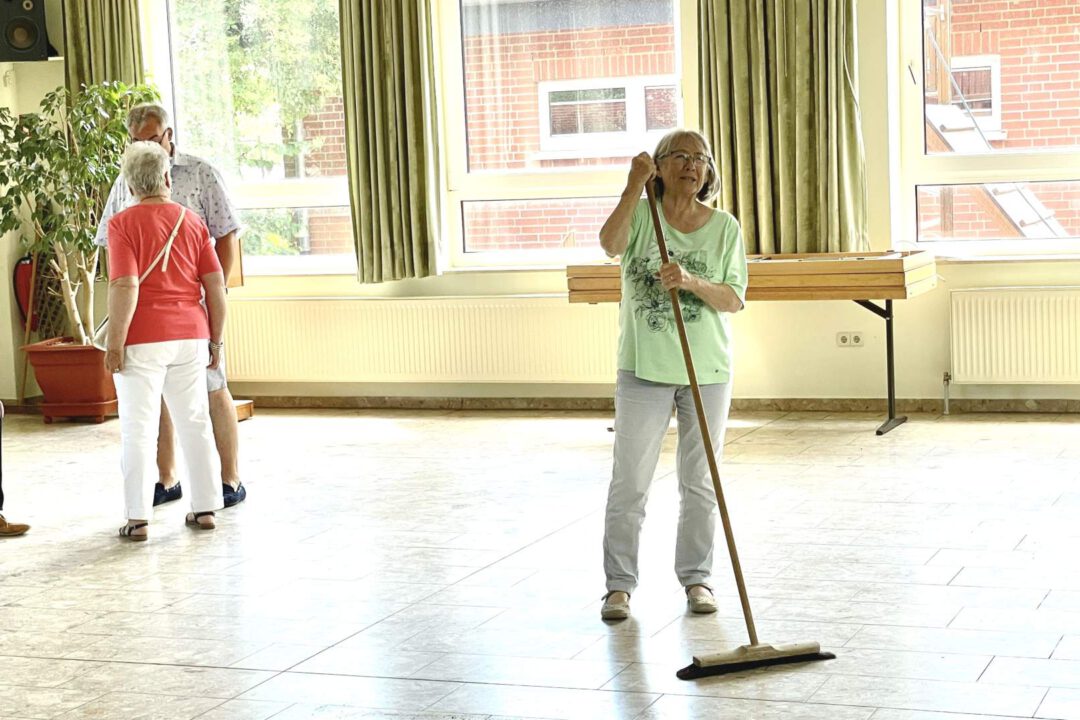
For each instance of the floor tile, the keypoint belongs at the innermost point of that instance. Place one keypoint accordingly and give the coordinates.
(972, 698)
(545, 702)
(1060, 704)
(675, 707)
(364, 692)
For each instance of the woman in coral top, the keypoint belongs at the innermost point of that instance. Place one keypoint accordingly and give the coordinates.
(160, 339)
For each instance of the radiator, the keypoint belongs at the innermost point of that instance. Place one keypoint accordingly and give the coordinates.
(428, 340)
(1015, 335)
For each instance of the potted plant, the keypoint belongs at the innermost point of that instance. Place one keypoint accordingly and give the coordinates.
(56, 168)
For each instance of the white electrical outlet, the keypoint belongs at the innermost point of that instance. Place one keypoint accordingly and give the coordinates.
(843, 339)
(857, 339)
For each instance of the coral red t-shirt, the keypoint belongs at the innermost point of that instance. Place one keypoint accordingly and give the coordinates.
(168, 306)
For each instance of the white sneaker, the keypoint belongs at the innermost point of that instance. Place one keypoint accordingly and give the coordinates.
(701, 603)
(615, 610)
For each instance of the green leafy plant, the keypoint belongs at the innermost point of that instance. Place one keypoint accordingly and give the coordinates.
(56, 168)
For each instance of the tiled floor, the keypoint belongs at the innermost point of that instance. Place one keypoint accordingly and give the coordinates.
(447, 565)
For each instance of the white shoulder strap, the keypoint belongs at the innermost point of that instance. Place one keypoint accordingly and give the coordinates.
(166, 249)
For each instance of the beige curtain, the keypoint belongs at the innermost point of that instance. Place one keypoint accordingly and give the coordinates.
(387, 68)
(779, 103)
(102, 42)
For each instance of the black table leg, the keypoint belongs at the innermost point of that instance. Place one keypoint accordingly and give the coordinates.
(887, 313)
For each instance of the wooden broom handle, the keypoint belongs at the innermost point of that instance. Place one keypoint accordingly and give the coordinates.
(703, 424)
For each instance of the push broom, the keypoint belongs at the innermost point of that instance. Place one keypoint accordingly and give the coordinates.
(755, 654)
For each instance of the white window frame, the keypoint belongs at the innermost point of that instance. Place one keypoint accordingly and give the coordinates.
(917, 167)
(586, 182)
(609, 143)
(159, 60)
(991, 124)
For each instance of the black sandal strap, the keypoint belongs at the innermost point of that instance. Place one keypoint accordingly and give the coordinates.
(208, 513)
(128, 529)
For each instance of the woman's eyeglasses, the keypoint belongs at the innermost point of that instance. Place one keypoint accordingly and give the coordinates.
(681, 157)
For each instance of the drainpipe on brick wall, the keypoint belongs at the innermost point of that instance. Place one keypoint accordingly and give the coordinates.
(303, 234)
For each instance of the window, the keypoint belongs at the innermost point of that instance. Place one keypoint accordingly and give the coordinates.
(990, 137)
(256, 90)
(605, 118)
(976, 91)
(545, 102)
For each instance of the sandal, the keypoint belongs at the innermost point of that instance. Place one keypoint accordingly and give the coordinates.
(193, 520)
(128, 531)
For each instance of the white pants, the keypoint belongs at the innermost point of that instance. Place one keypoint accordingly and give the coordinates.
(175, 370)
(642, 415)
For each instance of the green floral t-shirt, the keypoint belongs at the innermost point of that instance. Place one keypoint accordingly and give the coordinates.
(648, 339)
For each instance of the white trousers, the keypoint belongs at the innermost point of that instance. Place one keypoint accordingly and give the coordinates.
(642, 415)
(175, 370)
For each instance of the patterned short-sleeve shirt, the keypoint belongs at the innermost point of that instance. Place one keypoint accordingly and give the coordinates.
(196, 184)
(648, 340)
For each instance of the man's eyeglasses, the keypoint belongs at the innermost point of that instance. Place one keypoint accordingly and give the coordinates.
(681, 157)
(155, 139)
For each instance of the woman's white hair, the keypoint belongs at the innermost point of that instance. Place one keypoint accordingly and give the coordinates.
(711, 187)
(144, 167)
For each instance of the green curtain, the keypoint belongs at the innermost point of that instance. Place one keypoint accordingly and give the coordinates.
(102, 42)
(387, 69)
(780, 105)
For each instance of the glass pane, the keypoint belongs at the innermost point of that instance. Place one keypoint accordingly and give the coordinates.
(579, 118)
(661, 112)
(551, 85)
(258, 86)
(1001, 76)
(297, 231)
(564, 96)
(999, 211)
(549, 224)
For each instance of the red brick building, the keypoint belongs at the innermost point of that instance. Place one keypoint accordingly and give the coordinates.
(1015, 85)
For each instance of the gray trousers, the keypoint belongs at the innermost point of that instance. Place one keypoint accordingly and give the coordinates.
(642, 416)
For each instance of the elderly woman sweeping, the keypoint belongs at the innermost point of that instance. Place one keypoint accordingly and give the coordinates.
(160, 339)
(708, 267)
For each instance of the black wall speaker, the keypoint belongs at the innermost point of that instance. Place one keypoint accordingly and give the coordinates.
(22, 31)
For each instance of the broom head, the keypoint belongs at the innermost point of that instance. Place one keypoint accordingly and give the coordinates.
(748, 657)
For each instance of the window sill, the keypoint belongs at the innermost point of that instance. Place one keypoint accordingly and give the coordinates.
(962, 252)
(1017, 258)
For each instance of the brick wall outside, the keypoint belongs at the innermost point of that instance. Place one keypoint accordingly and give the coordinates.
(330, 230)
(325, 131)
(1038, 42)
(535, 224)
(502, 78)
(503, 72)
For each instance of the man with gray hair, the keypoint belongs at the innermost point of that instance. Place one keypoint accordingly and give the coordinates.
(197, 185)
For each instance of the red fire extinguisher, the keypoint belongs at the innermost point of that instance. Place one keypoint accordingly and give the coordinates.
(23, 279)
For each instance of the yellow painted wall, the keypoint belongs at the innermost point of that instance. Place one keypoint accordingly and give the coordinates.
(22, 85)
(8, 313)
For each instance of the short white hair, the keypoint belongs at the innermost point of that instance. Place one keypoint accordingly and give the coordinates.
(711, 186)
(140, 114)
(144, 167)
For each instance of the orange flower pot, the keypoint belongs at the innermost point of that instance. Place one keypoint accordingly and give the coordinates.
(73, 379)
